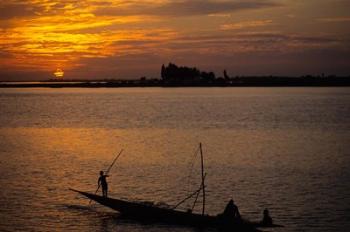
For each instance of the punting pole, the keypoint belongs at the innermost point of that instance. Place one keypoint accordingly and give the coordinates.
(203, 177)
(116, 158)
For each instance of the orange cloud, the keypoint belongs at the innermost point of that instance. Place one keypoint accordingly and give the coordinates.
(243, 25)
(63, 32)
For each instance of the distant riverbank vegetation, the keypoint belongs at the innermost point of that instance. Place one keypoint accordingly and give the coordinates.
(182, 76)
(172, 75)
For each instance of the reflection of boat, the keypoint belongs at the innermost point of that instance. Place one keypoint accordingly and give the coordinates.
(149, 212)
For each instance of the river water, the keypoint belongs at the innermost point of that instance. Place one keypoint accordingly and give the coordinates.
(286, 149)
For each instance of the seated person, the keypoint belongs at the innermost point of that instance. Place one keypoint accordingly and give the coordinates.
(231, 211)
(267, 220)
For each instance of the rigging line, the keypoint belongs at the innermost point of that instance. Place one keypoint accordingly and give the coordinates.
(190, 168)
(187, 178)
(198, 193)
(190, 164)
(188, 197)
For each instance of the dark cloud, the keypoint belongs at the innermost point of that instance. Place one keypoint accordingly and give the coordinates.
(185, 8)
(18, 10)
(244, 42)
(128, 66)
(290, 37)
(5, 54)
(23, 75)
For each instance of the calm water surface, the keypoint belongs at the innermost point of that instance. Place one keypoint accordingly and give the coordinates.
(286, 149)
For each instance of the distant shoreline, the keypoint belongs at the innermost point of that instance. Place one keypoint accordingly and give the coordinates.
(234, 82)
(173, 75)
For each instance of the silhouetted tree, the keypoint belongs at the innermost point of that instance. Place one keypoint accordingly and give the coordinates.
(174, 75)
(225, 75)
(162, 73)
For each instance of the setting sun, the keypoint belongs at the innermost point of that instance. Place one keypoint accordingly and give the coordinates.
(59, 73)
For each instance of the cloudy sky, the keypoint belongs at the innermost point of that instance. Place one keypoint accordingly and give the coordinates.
(99, 39)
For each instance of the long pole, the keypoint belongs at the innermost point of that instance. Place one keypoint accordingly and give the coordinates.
(203, 177)
(115, 160)
(109, 168)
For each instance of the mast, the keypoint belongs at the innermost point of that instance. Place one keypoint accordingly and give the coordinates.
(203, 177)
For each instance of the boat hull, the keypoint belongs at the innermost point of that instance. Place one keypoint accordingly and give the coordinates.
(151, 213)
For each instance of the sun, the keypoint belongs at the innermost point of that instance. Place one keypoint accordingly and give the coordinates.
(59, 73)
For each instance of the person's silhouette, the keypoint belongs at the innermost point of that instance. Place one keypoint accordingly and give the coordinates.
(267, 220)
(102, 181)
(231, 210)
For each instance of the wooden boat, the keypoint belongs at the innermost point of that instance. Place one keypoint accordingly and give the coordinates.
(152, 213)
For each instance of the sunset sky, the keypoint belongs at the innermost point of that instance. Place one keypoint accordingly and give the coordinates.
(99, 39)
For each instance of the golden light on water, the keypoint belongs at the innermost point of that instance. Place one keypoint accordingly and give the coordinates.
(59, 73)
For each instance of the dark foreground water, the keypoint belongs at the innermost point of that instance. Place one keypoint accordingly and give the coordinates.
(286, 149)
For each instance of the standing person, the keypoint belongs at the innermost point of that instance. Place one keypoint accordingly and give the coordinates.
(103, 183)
